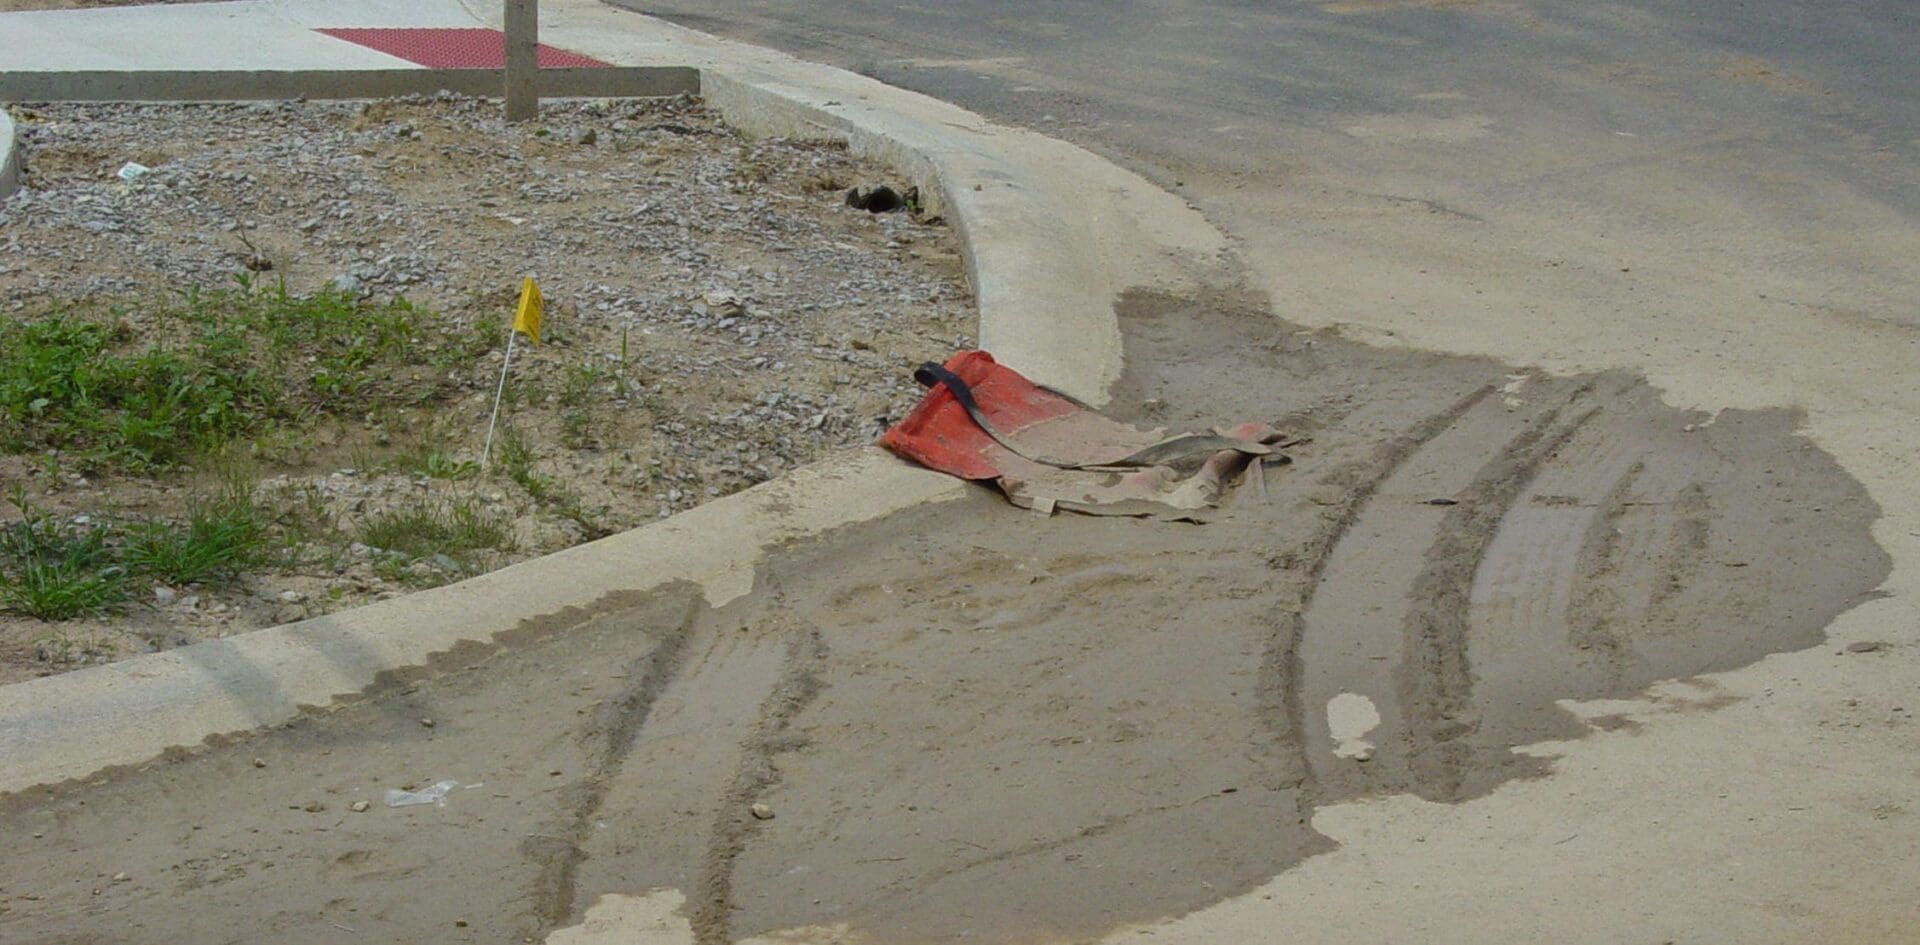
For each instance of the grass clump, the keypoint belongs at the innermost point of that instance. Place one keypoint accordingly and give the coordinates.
(68, 383)
(219, 541)
(214, 369)
(426, 528)
(55, 570)
(432, 455)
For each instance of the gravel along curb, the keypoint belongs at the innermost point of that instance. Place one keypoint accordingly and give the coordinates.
(9, 157)
(1052, 236)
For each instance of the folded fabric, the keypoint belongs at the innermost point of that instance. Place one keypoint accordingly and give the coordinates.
(983, 421)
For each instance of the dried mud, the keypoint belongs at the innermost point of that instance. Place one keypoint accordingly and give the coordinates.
(974, 724)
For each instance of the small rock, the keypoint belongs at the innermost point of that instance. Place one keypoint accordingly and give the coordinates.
(762, 812)
(313, 807)
(722, 304)
(292, 597)
(589, 137)
(426, 723)
(163, 596)
(1866, 646)
(121, 877)
(259, 762)
(359, 807)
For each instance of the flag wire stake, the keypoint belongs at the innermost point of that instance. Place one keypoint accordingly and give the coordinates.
(487, 454)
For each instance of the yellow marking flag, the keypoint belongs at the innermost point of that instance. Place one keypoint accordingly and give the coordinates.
(526, 318)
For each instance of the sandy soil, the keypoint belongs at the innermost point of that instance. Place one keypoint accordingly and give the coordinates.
(972, 724)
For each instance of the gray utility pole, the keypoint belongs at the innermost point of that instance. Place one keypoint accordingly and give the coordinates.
(523, 65)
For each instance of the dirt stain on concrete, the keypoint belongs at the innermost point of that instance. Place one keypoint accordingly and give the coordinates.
(968, 723)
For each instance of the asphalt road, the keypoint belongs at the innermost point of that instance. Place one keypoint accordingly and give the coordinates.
(1391, 163)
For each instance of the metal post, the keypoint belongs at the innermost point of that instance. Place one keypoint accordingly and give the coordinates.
(523, 66)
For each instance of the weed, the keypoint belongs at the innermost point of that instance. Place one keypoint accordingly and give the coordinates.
(75, 381)
(516, 461)
(576, 430)
(442, 465)
(591, 527)
(219, 540)
(622, 387)
(580, 383)
(302, 526)
(55, 570)
(427, 528)
(431, 455)
(58, 648)
(64, 383)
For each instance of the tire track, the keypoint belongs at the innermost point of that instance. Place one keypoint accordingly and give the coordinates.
(1282, 673)
(1592, 617)
(1434, 679)
(734, 820)
(558, 848)
(1686, 545)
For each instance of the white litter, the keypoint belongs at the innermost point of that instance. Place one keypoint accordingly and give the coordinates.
(437, 794)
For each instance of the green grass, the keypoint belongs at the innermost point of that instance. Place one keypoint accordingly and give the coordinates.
(427, 528)
(580, 382)
(431, 454)
(516, 462)
(56, 570)
(67, 383)
(217, 543)
(576, 430)
(223, 365)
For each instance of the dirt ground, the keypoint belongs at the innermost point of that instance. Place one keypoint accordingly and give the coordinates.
(716, 316)
(968, 723)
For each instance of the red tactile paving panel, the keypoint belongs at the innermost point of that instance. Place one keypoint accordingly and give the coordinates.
(456, 48)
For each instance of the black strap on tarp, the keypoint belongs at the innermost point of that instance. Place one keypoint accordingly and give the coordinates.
(930, 374)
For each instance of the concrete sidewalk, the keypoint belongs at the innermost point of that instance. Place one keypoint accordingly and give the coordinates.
(258, 34)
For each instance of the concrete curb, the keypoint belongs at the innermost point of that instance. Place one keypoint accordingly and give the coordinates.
(1052, 235)
(238, 86)
(9, 157)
